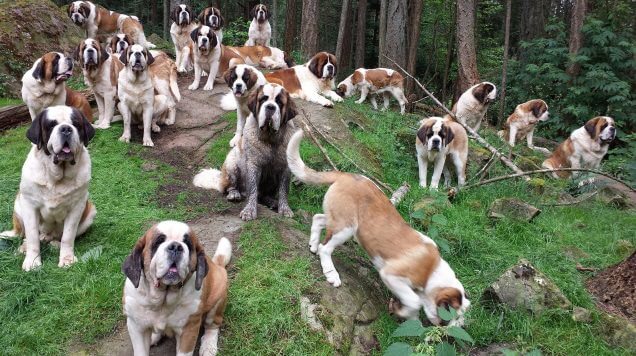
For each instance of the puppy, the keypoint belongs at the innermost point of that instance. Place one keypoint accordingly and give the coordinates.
(52, 203)
(183, 24)
(260, 31)
(256, 167)
(118, 43)
(211, 17)
(310, 81)
(585, 148)
(95, 19)
(210, 56)
(44, 84)
(409, 262)
(243, 80)
(523, 121)
(379, 81)
(436, 139)
(101, 71)
(264, 57)
(172, 288)
(472, 105)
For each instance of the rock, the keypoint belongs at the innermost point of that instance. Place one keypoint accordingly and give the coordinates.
(149, 166)
(624, 247)
(581, 315)
(512, 208)
(619, 332)
(523, 287)
(617, 196)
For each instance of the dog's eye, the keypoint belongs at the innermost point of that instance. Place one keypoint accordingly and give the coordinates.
(246, 76)
(279, 101)
(603, 127)
(187, 241)
(263, 99)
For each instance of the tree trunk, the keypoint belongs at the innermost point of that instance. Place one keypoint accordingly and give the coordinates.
(415, 17)
(153, 12)
(450, 46)
(361, 33)
(309, 28)
(166, 19)
(382, 34)
(467, 74)
(290, 26)
(344, 14)
(274, 22)
(533, 19)
(395, 41)
(576, 36)
(346, 58)
(504, 68)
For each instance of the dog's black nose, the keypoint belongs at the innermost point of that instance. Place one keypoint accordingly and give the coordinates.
(66, 130)
(270, 107)
(239, 86)
(175, 247)
(137, 55)
(204, 40)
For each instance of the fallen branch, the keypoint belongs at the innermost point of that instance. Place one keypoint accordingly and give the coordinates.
(580, 268)
(484, 169)
(400, 193)
(320, 147)
(540, 171)
(472, 132)
(573, 202)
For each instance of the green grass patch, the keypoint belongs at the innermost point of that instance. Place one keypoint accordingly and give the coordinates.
(9, 102)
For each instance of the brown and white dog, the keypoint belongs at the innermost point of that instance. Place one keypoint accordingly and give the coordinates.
(523, 121)
(585, 148)
(211, 17)
(95, 19)
(118, 43)
(260, 31)
(243, 80)
(182, 26)
(256, 167)
(78, 100)
(409, 262)
(264, 57)
(472, 105)
(210, 56)
(101, 71)
(379, 81)
(173, 288)
(163, 73)
(436, 140)
(310, 81)
(44, 84)
(52, 202)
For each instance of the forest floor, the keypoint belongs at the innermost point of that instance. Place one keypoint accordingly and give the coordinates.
(78, 310)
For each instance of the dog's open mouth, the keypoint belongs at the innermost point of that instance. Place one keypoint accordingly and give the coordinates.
(238, 93)
(65, 155)
(138, 67)
(172, 275)
(203, 49)
(64, 76)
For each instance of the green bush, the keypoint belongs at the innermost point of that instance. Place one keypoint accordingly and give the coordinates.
(235, 33)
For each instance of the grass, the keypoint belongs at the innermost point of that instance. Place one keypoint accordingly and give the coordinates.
(9, 102)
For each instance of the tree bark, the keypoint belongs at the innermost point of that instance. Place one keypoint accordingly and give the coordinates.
(466, 53)
(290, 26)
(274, 22)
(361, 34)
(576, 35)
(533, 19)
(342, 28)
(450, 46)
(504, 68)
(309, 28)
(166, 19)
(382, 34)
(415, 17)
(395, 41)
(153, 12)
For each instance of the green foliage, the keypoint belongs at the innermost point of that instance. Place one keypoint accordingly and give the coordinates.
(235, 33)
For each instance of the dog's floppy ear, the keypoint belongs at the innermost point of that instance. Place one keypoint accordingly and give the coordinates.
(174, 15)
(214, 40)
(134, 263)
(590, 127)
(221, 20)
(227, 76)
(313, 66)
(201, 19)
(195, 34)
(449, 134)
(253, 11)
(422, 133)
(85, 129)
(149, 58)
(252, 101)
(38, 72)
(202, 268)
(123, 57)
(36, 133)
(105, 54)
(290, 109)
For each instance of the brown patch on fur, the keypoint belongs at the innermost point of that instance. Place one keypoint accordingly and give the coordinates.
(318, 62)
(131, 28)
(448, 297)
(380, 78)
(254, 53)
(286, 78)
(535, 106)
(206, 13)
(18, 226)
(228, 59)
(106, 20)
(560, 158)
(594, 126)
(481, 91)
(87, 210)
(115, 67)
(47, 65)
(357, 77)
(79, 101)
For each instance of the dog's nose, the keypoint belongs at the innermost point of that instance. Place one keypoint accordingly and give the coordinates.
(270, 107)
(175, 249)
(66, 130)
(137, 55)
(435, 142)
(612, 129)
(239, 86)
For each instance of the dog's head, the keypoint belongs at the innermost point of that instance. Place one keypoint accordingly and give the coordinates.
(346, 88)
(484, 92)
(435, 134)
(241, 78)
(211, 17)
(272, 107)
(60, 132)
(79, 12)
(137, 58)
(181, 15)
(539, 109)
(204, 38)
(119, 43)
(260, 13)
(601, 127)
(90, 54)
(53, 66)
(452, 297)
(323, 65)
(168, 254)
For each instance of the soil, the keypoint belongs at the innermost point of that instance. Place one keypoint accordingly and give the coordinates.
(614, 289)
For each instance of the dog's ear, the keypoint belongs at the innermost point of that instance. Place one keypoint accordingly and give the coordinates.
(422, 133)
(123, 57)
(174, 15)
(313, 67)
(149, 58)
(268, 14)
(38, 72)
(221, 21)
(202, 267)
(479, 93)
(214, 40)
(590, 127)
(104, 52)
(253, 11)
(76, 54)
(290, 109)
(449, 134)
(252, 101)
(341, 90)
(134, 263)
(195, 35)
(334, 61)
(36, 133)
(84, 128)
(227, 76)
(201, 19)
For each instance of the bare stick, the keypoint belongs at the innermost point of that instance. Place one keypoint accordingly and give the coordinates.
(485, 167)
(540, 171)
(400, 193)
(579, 267)
(479, 139)
(322, 149)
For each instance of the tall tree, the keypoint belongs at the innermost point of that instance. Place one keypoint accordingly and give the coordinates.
(415, 17)
(361, 33)
(576, 35)
(395, 41)
(504, 67)
(382, 33)
(466, 54)
(450, 41)
(290, 25)
(342, 31)
(534, 14)
(274, 21)
(309, 28)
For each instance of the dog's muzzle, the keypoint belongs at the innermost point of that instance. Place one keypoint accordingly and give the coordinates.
(174, 254)
(65, 154)
(239, 90)
(78, 19)
(60, 77)
(183, 18)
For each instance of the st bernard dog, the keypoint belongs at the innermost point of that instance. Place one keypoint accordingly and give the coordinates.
(52, 204)
(243, 80)
(163, 73)
(472, 105)
(260, 31)
(101, 71)
(523, 121)
(118, 43)
(310, 81)
(264, 57)
(410, 266)
(438, 139)
(95, 19)
(182, 25)
(211, 17)
(585, 148)
(173, 288)
(44, 84)
(256, 168)
(379, 81)
(210, 56)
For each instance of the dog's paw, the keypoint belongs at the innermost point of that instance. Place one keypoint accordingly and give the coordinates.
(423, 185)
(169, 121)
(193, 87)
(285, 211)
(102, 125)
(328, 104)
(181, 70)
(125, 138)
(337, 98)
(67, 260)
(31, 263)
(233, 195)
(155, 338)
(208, 86)
(148, 142)
(249, 213)
(359, 101)
(333, 278)
(313, 247)
(235, 140)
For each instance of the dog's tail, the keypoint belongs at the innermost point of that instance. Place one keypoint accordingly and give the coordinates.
(174, 86)
(223, 252)
(228, 103)
(302, 172)
(289, 60)
(209, 179)
(18, 229)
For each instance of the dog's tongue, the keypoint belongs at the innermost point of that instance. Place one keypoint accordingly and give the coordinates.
(173, 269)
(64, 76)
(66, 149)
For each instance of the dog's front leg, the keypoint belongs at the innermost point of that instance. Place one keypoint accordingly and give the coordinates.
(67, 245)
(437, 171)
(31, 223)
(147, 120)
(109, 111)
(197, 77)
(253, 178)
(240, 123)
(422, 165)
(364, 92)
(318, 99)
(512, 139)
(333, 95)
(126, 115)
(139, 337)
(283, 190)
(214, 69)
